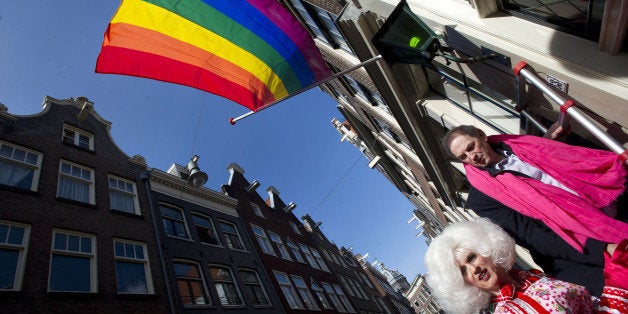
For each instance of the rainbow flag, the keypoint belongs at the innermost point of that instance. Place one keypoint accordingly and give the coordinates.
(253, 52)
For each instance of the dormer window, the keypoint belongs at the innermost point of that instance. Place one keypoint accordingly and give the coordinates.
(77, 137)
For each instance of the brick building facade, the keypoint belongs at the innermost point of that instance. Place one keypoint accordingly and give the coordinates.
(211, 261)
(76, 232)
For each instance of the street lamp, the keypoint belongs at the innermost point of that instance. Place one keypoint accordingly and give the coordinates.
(404, 38)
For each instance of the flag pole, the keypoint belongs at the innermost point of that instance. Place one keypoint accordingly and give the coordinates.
(334, 76)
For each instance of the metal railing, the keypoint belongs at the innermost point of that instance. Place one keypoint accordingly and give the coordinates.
(567, 107)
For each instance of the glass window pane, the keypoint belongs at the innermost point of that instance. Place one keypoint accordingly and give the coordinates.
(4, 232)
(200, 221)
(139, 252)
(60, 241)
(8, 265)
(128, 250)
(76, 172)
(170, 212)
(66, 168)
(227, 227)
(119, 249)
(131, 277)
(19, 154)
(86, 245)
(186, 270)
(70, 273)
(6, 151)
(73, 243)
(32, 158)
(16, 236)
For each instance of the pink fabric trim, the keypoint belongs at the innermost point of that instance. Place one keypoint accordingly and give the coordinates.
(596, 175)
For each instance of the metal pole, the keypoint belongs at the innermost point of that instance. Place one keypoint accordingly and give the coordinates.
(568, 108)
(334, 76)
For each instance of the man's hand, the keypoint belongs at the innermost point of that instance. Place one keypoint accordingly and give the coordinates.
(557, 132)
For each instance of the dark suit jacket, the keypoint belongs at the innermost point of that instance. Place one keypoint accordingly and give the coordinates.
(551, 252)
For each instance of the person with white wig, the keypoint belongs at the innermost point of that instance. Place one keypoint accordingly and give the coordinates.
(470, 269)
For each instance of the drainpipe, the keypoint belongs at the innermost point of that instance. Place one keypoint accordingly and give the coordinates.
(145, 177)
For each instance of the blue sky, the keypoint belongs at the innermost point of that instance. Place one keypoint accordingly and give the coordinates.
(50, 48)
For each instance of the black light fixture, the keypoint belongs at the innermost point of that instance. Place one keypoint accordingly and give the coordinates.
(404, 38)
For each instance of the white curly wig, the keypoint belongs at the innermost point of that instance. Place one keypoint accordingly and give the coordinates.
(454, 243)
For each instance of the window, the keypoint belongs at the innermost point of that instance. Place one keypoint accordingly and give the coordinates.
(319, 259)
(295, 251)
(580, 18)
(356, 285)
(132, 269)
(191, 284)
(225, 285)
(174, 222)
(308, 256)
(343, 281)
(263, 241)
(73, 262)
(123, 195)
(333, 297)
(232, 237)
(257, 210)
(295, 228)
(366, 280)
(288, 291)
(76, 182)
(344, 299)
(205, 229)
(77, 137)
(486, 104)
(281, 248)
(320, 296)
(19, 167)
(305, 293)
(254, 287)
(13, 245)
(321, 23)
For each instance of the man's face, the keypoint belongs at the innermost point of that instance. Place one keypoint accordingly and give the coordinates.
(473, 150)
(479, 271)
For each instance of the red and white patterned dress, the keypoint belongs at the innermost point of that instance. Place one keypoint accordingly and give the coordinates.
(543, 294)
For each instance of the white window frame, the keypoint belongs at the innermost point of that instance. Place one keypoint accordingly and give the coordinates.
(356, 285)
(228, 240)
(81, 180)
(295, 251)
(75, 139)
(333, 297)
(345, 283)
(305, 293)
(343, 298)
(262, 240)
(171, 219)
(256, 284)
(291, 296)
(22, 161)
(132, 194)
(320, 295)
(21, 248)
(200, 279)
(308, 256)
(219, 282)
(281, 248)
(319, 259)
(93, 273)
(212, 228)
(257, 210)
(134, 258)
